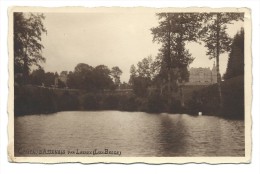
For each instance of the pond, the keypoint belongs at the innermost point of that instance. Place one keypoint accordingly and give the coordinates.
(127, 134)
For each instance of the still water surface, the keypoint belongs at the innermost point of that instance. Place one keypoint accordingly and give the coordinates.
(130, 133)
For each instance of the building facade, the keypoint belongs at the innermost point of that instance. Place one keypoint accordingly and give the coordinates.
(203, 76)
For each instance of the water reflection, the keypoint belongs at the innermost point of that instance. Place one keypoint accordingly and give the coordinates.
(172, 135)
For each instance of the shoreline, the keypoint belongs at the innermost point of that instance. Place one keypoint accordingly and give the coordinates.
(29, 100)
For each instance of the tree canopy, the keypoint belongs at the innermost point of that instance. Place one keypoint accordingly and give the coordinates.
(214, 33)
(116, 72)
(27, 35)
(92, 79)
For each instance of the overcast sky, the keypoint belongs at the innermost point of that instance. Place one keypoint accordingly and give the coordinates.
(112, 39)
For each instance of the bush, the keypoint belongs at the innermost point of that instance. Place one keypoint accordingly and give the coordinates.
(128, 103)
(156, 103)
(29, 100)
(68, 102)
(90, 102)
(110, 102)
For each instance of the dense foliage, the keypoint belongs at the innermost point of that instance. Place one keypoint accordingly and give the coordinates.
(28, 30)
(235, 66)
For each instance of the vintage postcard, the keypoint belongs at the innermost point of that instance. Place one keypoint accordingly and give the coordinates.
(129, 85)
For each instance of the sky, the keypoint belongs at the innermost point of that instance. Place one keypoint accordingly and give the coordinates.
(111, 39)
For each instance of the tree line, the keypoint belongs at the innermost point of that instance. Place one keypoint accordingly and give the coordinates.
(84, 77)
(94, 79)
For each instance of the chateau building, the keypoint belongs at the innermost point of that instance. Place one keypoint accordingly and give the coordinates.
(203, 76)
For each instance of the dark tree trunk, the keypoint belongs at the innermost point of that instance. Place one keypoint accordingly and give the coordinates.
(169, 64)
(217, 62)
(169, 86)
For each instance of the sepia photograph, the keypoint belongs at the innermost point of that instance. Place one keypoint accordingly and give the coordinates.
(166, 85)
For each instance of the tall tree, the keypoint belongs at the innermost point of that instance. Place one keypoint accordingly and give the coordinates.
(141, 77)
(147, 68)
(235, 66)
(82, 77)
(133, 74)
(28, 30)
(49, 79)
(37, 77)
(116, 72)
(102, 79)
(173, 31)
(216, 39)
